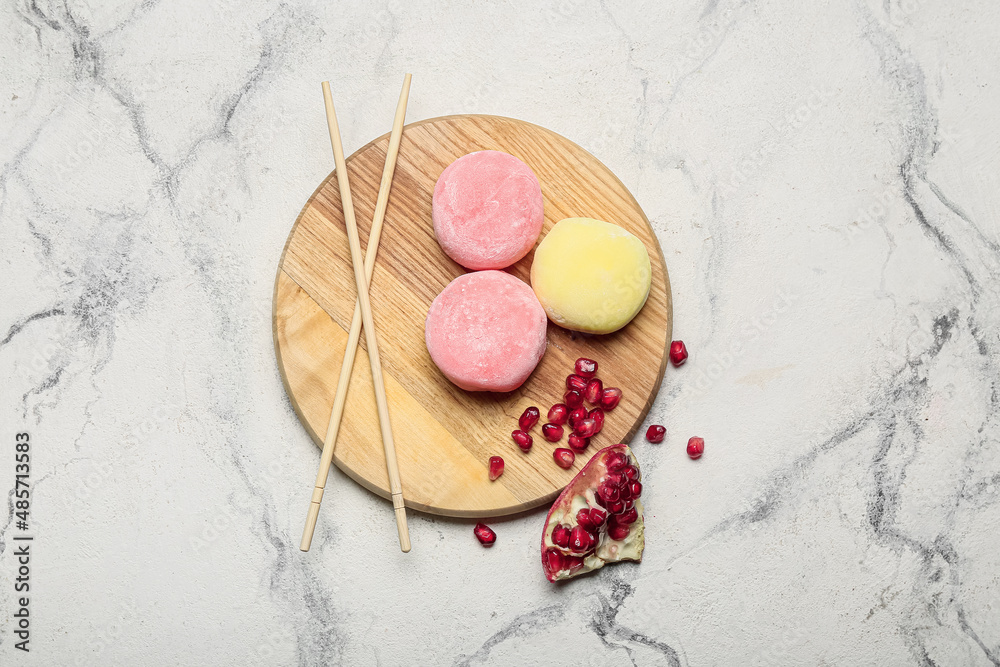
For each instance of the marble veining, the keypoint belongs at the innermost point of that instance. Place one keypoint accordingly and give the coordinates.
(823, 178)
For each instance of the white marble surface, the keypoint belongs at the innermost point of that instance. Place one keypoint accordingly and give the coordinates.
(823, 178)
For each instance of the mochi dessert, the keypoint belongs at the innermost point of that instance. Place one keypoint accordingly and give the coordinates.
(591, 275)
(486, 331)
(487, 210)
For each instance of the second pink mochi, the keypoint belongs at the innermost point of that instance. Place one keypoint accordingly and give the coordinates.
(486, 331)
(487, 210)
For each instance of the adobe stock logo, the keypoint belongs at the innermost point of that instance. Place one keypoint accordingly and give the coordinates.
(798, 115)
(610, 310)
(709, 373)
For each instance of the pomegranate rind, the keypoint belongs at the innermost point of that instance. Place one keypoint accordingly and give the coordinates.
(580, 493)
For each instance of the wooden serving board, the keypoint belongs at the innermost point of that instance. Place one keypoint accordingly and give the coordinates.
(444, 435)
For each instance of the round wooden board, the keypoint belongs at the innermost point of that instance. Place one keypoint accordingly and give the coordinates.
(444, 435)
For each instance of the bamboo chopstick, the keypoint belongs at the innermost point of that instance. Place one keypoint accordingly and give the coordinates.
(362, 315)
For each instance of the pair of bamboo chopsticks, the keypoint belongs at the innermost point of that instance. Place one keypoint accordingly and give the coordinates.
(362, 316)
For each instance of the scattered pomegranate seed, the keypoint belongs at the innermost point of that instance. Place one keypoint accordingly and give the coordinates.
(529, 418)
(610, 398)
(594, 391)
(577, 415)
(585, 428)
(597, 415)
(573, 399)
(484, 534)
(678, 353)
(558, 414)
(696, 446)
(578, 444)
(576, 383)
(522, 439)
(496, 467)
(552, 432)
(560, 535)
(655, 433)
(586, 367)
(564, 458)
(618, 531)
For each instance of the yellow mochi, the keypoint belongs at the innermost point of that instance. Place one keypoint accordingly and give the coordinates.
(590, 275)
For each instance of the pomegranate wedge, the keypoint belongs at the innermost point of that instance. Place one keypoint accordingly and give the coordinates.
(603, 527)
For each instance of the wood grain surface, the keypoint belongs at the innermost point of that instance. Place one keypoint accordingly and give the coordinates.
(444, 435)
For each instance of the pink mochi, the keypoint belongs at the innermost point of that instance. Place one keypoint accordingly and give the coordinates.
(487, 210)
(486, 331)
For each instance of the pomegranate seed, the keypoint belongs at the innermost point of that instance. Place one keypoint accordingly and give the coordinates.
(552, 432)
(564, 458)
(558, 413)
(573, 399)
(608, 493)
(696, 446)
(618, 531)
(598, 517)
(585, 428)
(625, 493)
(496, 467)
(484, 534)
(586, 367)
(576, 416)
(580, 540)
(576, 383)
(528, 418)
(631, 473)
(583, 518)
(616, 461)
(655, 433)
(522, 439)
(559, 562)
(629, 504)
(578, 444)
(616, 506)
(635, 488)
(555, 560)
(560, 536)
(678, 353)
(594, 391)
(610, 398)
(629, 516)
(597, 415)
